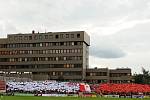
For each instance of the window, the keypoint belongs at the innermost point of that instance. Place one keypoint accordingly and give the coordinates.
(61, 51)
(79, 43)
(78, 35)
(31, 45)
(72, 35)
(65, 43)
(35, 37)
(20, 59)
(20, 37)
(53, 51)
(10, 38)
(54, 44)
(25, 59)
(61, 35)
(46, 36)
(40, 51)
(37, 44)
(79, 51)
(50, 51)
(76, 51)
(72, 43)
(50, 44)
(30, 52)
(43, 51)
(57, 44)
(56, 58)
(68, 43)
(75, 43)
(72, 65)
(67, 66)
(50, 36)
(72, 51)
(61, 43)
(54, 73)
(46, 59)
(46, 51)
(16, 37)
(56, 51)
(30, 37)
(67, 35)
(40, 36)
(41, 44)
(46, 44)
(65, 51)
(56, 36)
(26, 38)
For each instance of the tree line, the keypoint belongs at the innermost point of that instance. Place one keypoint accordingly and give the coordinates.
(143, 78)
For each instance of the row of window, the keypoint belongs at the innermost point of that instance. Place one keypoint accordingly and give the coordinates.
(54, 73)
(105, 74)
(64, 73)
(43, 37)
(61, 58)
(96, 82)
(42, 66)
(49, 51)
(119, 74)
(97, 74)
(43, 44)
(119, 81)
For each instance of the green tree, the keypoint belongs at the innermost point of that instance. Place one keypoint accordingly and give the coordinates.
(146, 76)
(138, 78)
(143, 78)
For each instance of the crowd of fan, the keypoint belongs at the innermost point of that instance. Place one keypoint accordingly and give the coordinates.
(122, 89)
(44, 87)
(69, 88)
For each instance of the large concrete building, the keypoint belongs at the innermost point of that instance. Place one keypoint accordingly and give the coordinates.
(52, 55)
(119, 75)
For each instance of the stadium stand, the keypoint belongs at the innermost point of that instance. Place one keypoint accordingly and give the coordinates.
(57, 88)
(127, 88)
(48, 87)
(2, 86)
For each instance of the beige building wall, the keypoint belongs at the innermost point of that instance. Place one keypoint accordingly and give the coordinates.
(67, 57)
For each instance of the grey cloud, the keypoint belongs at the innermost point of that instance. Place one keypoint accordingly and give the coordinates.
(135, 39)
(107, 53)
(102, 47)
(95, 15)
(103, 11)
(61, 14)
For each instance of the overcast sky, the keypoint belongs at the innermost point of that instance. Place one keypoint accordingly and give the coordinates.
(119, 29)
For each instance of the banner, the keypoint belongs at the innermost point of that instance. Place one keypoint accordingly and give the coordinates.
(111, 96)
(84, 87)
(60, 95)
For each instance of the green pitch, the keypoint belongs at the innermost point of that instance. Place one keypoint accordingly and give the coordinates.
(60, 98)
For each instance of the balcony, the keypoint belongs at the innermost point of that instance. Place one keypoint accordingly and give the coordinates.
(96, 77)
(42, 69)
(121, 78)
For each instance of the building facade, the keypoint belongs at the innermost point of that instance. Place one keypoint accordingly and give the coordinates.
(104, 75)
(52, 56)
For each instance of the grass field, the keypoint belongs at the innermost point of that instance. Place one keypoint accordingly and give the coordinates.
(60, 98)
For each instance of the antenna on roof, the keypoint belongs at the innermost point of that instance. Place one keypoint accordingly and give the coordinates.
(33, 32)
